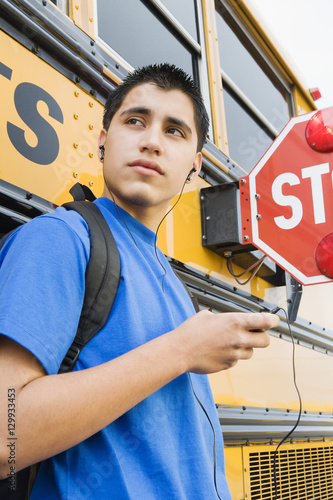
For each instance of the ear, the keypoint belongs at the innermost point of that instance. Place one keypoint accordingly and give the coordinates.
(197, 163)
(102, 137)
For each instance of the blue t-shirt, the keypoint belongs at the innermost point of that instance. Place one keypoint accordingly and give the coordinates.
(163, 448)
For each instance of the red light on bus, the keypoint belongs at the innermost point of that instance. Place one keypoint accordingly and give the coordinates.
(315, 93)
(324, 256)
(319, 131)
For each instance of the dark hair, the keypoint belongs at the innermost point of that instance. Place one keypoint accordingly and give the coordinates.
(166, 77)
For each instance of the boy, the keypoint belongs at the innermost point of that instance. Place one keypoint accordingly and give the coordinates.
(128, 422)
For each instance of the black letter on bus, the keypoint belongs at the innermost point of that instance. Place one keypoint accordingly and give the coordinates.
(5, 71)
(26, 97)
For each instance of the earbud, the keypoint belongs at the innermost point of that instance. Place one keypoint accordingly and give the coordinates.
(189, 177)
(101, 153)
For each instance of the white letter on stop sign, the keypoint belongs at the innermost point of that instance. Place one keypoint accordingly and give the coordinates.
(315, 174)
(287, 201)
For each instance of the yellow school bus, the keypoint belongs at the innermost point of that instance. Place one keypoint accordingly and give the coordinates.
(58, 62)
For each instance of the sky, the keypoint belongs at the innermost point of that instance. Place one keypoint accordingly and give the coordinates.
(304, 31)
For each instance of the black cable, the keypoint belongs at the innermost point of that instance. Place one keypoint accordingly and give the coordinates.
(158, 227)
(210, 422)
(254, 268)
(299, 399)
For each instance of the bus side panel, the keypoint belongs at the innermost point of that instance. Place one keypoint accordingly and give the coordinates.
(48, 139)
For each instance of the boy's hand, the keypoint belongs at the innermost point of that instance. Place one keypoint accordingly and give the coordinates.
(214, 342)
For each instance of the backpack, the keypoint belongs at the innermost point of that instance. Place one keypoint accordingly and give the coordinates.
(102, 279)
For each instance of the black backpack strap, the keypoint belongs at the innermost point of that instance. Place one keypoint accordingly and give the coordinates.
(102, 279)
(80, 192)
(16, 487)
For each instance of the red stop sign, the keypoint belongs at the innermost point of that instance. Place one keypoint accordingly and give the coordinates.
(287, 199)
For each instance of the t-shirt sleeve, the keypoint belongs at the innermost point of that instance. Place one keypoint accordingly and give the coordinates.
(42, 279)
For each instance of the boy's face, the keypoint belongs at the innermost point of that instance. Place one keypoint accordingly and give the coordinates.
(150, 148)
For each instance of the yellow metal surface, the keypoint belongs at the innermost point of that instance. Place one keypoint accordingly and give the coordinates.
(76, 127)
(215, 80)
(316, 305)
(234, 472)
(82, 13)
(267, 379)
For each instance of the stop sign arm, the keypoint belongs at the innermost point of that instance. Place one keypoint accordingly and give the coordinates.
(245, 205)
(294, 295)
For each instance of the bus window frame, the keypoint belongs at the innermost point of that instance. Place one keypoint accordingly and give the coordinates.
(264, 60)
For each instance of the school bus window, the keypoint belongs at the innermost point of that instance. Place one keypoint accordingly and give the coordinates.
(185, 13)
(259, 89)
(244, 69)
(141, 34)
(248, 140)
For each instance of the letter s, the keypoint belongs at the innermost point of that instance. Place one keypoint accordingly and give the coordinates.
(285, 201)
(26, 97)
